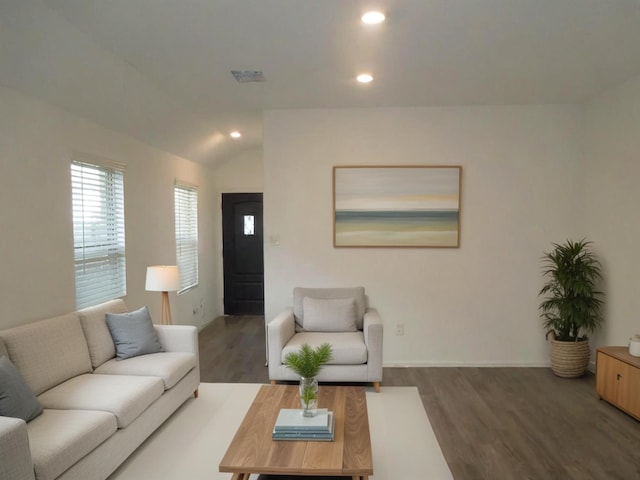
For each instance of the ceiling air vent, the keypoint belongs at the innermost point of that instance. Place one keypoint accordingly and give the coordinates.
(246, 76)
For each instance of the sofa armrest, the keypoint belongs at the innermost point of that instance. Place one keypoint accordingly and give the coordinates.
(15, 456)
(279, 332)
(179, 338)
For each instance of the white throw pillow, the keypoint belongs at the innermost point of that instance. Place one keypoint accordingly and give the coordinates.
(329, 315)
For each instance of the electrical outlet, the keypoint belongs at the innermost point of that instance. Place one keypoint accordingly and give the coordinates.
(399, 329)
(198, 309)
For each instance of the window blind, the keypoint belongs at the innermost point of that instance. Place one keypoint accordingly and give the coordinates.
(98, 232)
(186, 205)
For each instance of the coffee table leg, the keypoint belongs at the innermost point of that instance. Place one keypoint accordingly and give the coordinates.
(240, 476)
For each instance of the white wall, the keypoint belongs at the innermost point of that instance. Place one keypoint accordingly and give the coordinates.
(525, 184)
(36, 248)
(474, 305)
(612, 197)
(241, 173)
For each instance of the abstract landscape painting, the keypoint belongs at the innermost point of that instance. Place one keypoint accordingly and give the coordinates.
(412, 206)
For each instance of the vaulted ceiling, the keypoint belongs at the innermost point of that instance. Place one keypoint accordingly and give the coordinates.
(160, 70)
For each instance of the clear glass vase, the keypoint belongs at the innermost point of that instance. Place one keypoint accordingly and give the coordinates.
(309, 396)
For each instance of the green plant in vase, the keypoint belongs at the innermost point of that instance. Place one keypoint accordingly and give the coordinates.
(307, 363)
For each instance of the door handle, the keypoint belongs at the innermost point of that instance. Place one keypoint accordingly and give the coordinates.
(618, 376)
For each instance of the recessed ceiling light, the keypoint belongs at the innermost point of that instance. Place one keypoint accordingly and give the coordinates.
(373, 18)
(364, 78)
(235, 134)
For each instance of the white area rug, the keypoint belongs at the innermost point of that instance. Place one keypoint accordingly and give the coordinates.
(192, 442)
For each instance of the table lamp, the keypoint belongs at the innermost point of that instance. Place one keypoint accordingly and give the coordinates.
(165, 279)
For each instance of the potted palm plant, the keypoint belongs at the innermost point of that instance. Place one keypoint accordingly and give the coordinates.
(307, 363)
(571, 305)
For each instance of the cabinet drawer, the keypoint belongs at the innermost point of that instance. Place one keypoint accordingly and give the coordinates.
(618, 379)
(629, 389)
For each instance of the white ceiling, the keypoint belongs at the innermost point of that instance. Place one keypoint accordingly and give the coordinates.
(159, 70)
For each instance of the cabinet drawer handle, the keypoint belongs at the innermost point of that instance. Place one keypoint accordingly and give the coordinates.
(618, 377)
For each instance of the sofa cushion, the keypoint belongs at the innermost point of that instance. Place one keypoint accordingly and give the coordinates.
(59, 438)
(16, 398)
(94, 325)
(299, 293)
(48, 352)
(126, 396)
(133, 333)
(348, 347)
(169, 366)
(329, 315)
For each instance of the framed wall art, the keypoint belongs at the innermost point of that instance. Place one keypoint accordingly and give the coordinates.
(396, 206)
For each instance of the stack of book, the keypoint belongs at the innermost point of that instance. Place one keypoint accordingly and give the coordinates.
(291, 425)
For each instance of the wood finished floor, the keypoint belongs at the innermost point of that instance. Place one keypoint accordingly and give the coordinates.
(491, 423)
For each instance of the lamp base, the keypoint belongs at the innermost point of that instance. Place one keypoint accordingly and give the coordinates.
(165, 317)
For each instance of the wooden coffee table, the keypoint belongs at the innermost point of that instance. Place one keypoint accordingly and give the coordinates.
(253, 451)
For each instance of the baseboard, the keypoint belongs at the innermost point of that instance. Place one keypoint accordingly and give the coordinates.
(205, 325)
(465, 364)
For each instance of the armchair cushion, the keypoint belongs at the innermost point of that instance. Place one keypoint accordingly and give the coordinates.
(329, 315)
(299, 293)
(348, 347)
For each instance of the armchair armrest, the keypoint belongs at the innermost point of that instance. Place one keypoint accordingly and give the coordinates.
(373, 329)
(15, 456)
(279, 332)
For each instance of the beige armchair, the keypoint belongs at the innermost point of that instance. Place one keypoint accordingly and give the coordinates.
(338, 316)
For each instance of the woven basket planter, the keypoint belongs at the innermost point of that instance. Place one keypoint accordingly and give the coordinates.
(569, 359)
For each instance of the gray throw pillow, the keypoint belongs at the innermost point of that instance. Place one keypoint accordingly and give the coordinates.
(3, 349)
(133, 333)
(16, 397)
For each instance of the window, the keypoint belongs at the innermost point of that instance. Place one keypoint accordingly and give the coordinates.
(249, 225)
(98, 232)
(186, 202)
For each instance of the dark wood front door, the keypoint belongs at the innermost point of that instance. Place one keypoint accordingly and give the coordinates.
(243, 253)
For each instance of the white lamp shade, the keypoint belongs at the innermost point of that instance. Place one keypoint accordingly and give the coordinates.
(163, 278)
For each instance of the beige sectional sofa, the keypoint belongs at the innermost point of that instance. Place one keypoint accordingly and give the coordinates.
(97, 409)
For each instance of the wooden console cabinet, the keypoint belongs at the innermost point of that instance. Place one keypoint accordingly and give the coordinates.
(618, 379)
